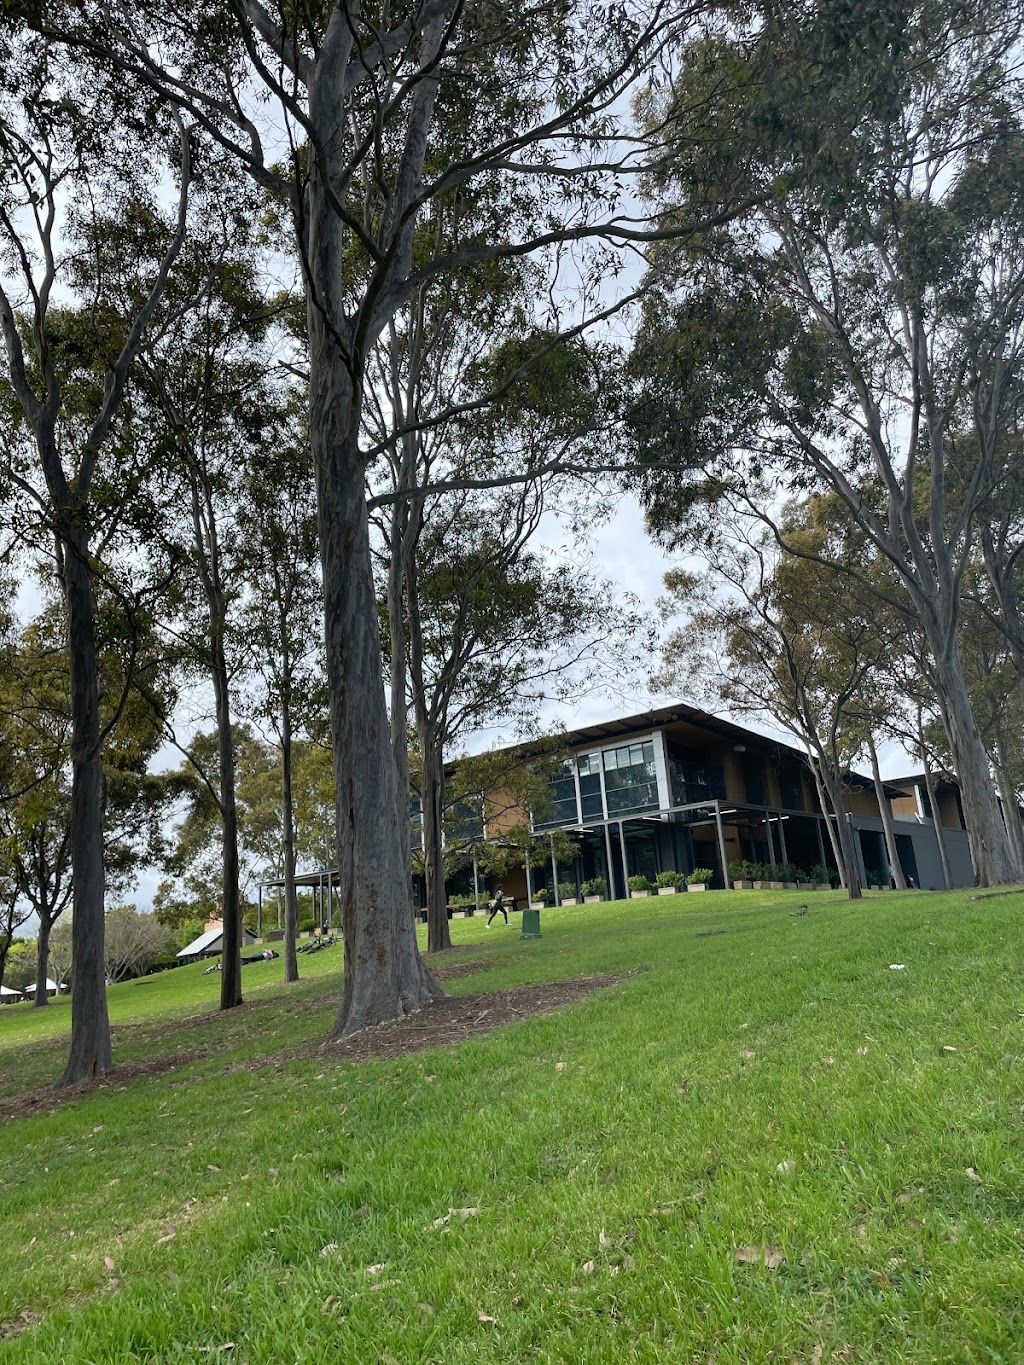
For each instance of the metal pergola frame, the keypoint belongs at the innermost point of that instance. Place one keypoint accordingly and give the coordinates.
(322, 885)
(716, 807)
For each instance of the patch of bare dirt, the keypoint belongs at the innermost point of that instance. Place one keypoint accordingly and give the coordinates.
(15, 1326)
(458, 1017)
(447, 952)
(46, 1098)
(457, 969)
(144, 1029)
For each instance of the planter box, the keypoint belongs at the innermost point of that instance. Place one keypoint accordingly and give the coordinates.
(805, 886)
(569, 900)
(777, 886)
(741, 885)
(761, 886)
(668, 890)
(697, 886)
(468, 914)
(592, 900)
(538, 905)
(638, 895)
(790, 886)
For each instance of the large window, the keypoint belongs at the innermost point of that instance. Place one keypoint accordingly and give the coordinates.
(792, 791)
(465, 821)
(562, 800)
(695, 782)
(589, 767)
(630, 778)
(755, 785)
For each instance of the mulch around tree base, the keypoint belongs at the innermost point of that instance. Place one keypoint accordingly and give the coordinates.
(455, 1018)
(46, 1098)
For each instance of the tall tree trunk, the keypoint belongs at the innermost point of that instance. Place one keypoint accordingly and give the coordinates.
(994, 862)
(398, 701)
(385, 978)
(842, 837)
(940, 838)
(1008, 792)
(844, 834)
(42, 958)
(831, 820)
(231, 901)
(91, 1053)
(885, 811)
(438, 933)
(291, 900)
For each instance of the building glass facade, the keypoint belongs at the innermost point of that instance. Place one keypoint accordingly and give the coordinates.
(631, 778)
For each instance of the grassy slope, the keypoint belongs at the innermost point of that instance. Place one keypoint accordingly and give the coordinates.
(652, 1154)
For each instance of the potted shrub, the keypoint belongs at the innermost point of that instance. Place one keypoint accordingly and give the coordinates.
(567, 894)
(821, 877)
(741, 874)
(699, 878)
(540, 898)
(761, 873)
(593, 891)
(668, 883)
(638, 886)
(802, 881)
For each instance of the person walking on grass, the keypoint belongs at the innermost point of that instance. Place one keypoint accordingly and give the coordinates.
(497, 904)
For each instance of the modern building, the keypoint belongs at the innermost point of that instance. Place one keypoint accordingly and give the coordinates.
(918, 832)
(677, 788)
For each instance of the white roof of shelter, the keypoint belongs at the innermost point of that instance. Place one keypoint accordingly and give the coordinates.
(50, 986)
(200, 944)
(5, 990)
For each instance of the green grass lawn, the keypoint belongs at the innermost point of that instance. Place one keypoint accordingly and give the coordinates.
(758, 1080)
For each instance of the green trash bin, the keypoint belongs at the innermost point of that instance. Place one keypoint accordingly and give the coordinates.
(531, 924)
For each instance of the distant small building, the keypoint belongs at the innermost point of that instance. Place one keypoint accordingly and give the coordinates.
(9, 997)
(210, 943)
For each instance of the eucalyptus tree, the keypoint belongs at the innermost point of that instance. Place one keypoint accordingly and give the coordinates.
(480, 422)
(494, 628)
(36, 791)
(378, 112)
(74, 158)
(861, 329)
(208, 387)
(761, 648)
(283, 617)
(14, 910)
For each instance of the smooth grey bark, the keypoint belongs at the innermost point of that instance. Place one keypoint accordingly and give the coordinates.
(1008, 792)
(291, 900)
(885, 811)
(844, 835)
(204, 526)
(231, 910)
(432, 791)
(91, 1054)
(385, 978)
(991, 853)
(940, 837)
(40, 998)
(830, 795)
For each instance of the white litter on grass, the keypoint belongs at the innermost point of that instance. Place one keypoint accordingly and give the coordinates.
(897, 966)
